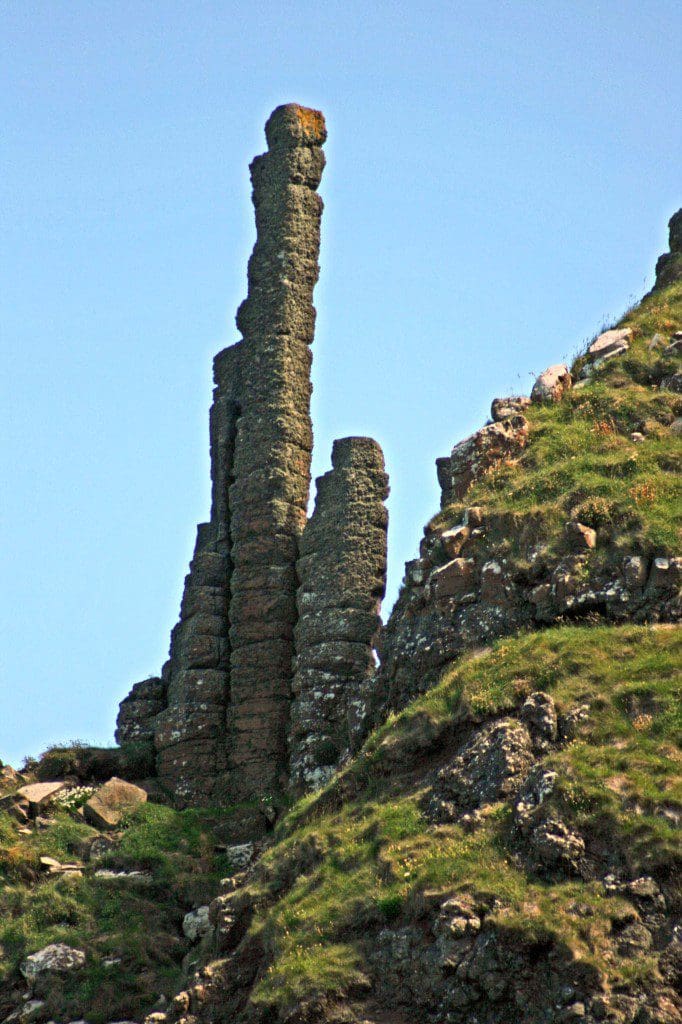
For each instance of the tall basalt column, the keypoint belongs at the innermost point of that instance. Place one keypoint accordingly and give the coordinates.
(273, 445)
(190, 732)
(342, 569)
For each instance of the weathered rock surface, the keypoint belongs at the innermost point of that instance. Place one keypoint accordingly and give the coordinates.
(552, 384)
(137, 712)
(490, 767)
(669, 266)
(610, 343)
(503, 408)
(271, 476)
(221, 712)
(106, 808)
(342, 569)
(57, 958)
(39, 794)
(448, 605)
(477, 455)
(196, 924)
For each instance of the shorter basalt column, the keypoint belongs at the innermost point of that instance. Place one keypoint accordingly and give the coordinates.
(342, 573)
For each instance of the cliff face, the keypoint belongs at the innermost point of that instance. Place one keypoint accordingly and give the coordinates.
(220, 713)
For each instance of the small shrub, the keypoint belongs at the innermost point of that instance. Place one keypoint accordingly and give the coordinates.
(596, 512)
(643, 494)
(604, 428)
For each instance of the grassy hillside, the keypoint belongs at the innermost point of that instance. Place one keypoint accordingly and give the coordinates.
(363, 858)
(581, 459)
(360, 856)
(130, 929)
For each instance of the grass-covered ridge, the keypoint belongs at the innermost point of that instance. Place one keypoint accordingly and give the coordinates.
(360, 855)
(580, 460)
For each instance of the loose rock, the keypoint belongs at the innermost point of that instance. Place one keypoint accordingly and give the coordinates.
(552, 384)
(57, 958)
(111, 802)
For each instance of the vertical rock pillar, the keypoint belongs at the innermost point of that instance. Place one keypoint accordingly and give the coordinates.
(190, 733)
(271, 473)
(342, 569)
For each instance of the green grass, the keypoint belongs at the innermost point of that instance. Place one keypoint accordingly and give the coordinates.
(140, 925)
(580, 448)
(357, 856)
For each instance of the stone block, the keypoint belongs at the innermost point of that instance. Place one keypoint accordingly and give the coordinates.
(39, 794)
(106, 808)
(454, 579)
(610, 343)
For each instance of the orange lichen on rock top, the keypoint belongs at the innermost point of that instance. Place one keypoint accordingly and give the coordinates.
(312, 122)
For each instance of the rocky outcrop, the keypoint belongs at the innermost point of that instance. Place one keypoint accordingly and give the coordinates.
(226, 688)
(669, 265)
(489, 768)
(499, 442)
(483, 574)
(448, 605)
(342, 569)
(137, 712)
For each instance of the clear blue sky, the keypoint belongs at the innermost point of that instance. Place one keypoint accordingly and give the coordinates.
(499, 180)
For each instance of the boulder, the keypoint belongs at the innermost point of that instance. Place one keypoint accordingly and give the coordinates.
(454, 579)
(581, 537)
(503, 408)
(240, 855)
(57, 958)
(552, 384)
(39, 794)
(196, 923)
(610, 343)
(111, 802)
